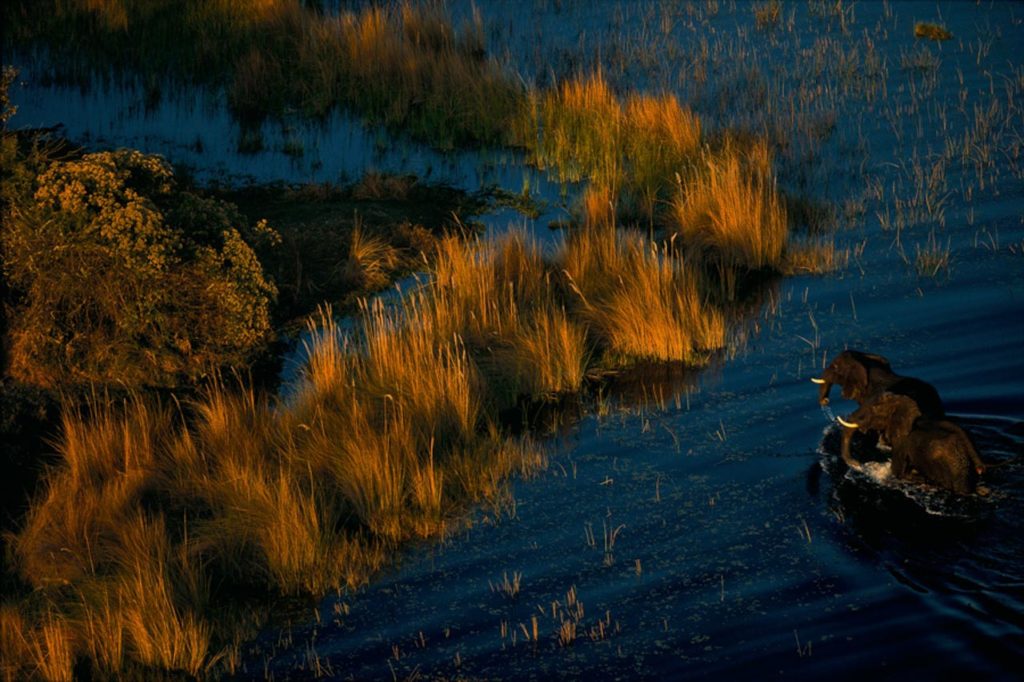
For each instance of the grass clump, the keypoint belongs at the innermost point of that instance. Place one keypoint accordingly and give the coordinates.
(631, 147)
(813, 255)
(640, 300)
(728, 210)
(768, 14)
(932, 258)
(931, 31)
(649, 164)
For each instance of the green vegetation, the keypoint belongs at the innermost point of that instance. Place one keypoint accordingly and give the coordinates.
(632, 147)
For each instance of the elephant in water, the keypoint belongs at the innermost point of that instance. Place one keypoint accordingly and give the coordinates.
(939, 449)
(862, 376)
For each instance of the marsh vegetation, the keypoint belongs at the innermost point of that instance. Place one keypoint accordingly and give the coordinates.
(687, 192)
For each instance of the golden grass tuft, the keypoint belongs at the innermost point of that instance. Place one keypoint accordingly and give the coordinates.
(629, 147)
(641, 300)
(549, 353)
(932, 258)
(931, 31)
(42, 649)
(52, 649)
(370, 263)
(728, 211)
(157, 578)
(74, 526)
(767, 14)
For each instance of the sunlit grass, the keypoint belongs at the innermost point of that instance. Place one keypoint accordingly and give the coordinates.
(629, 146)
(392, 429)
(813, 255)
(394, 426)
(931, 31)
(641, 300)
(728, 210)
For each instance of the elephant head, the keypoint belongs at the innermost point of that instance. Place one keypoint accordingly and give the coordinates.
(891, 414)
(853, 371)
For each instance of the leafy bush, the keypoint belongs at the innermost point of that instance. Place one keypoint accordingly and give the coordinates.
(118, 276)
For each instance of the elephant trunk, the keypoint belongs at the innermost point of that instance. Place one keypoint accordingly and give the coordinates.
(824, 386)
(848, 429)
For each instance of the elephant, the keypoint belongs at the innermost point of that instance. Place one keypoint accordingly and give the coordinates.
(937, 448)
(862, 376)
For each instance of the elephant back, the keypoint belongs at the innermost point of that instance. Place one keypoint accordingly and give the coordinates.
(922, 393)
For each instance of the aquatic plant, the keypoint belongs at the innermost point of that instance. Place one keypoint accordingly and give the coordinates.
(932, 257)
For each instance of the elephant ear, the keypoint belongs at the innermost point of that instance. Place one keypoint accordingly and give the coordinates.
(879, 359)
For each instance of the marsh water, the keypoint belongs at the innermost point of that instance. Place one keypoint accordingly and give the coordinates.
(698, 524)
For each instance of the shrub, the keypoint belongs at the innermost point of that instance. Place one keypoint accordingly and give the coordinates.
(118, 276)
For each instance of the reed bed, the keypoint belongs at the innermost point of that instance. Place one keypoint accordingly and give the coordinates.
(393, 429)
(395, 425)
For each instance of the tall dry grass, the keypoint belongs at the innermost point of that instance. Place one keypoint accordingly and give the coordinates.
(641, 300)
(393, 428)
(728, 210)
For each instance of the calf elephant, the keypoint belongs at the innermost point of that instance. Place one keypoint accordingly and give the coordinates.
(862, 376)
(939, 449)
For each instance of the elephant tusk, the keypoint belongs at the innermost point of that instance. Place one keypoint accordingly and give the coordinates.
(849, 425)
(817, 380)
